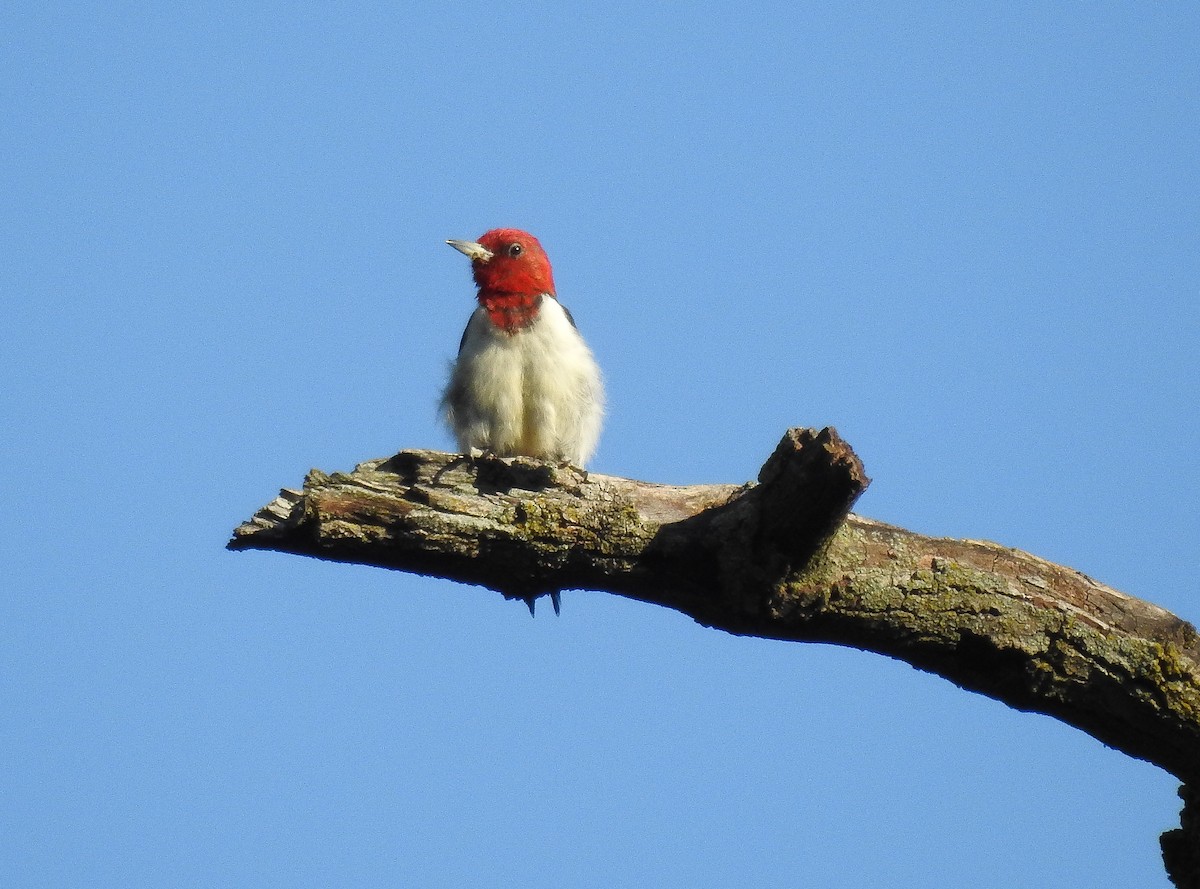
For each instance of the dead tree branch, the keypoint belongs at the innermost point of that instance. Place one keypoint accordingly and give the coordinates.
(780, 559)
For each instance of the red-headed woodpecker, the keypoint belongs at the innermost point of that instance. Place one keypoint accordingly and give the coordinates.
(524, 383)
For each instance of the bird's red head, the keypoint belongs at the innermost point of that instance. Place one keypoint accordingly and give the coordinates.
(512, 272)
(518, 263)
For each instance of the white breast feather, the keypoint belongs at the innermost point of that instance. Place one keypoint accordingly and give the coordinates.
(536, 392)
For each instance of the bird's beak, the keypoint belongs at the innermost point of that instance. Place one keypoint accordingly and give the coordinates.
(476, 251)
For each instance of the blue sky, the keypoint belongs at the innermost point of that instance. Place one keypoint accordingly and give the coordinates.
(965, 235)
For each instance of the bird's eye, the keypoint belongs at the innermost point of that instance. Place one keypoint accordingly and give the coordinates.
(515, 250)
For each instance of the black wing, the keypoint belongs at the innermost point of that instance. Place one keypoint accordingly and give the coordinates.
(462, 342)
(570, 318)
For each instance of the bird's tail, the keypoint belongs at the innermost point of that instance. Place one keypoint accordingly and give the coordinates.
(555, 600)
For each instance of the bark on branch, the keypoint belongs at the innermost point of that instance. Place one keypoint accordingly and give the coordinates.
(781, 559)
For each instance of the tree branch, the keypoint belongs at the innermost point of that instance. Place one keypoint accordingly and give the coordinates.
(780, 559)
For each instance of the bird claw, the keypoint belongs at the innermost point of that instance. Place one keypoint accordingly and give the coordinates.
(472, 459)
(486, 455)
(562, 463)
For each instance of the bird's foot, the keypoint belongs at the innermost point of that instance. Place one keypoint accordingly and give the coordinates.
(562, 463)
(459, 460)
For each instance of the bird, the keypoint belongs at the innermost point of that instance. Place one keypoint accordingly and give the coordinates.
(525, 382)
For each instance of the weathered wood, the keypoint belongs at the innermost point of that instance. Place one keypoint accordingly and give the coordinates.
(779, 559)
